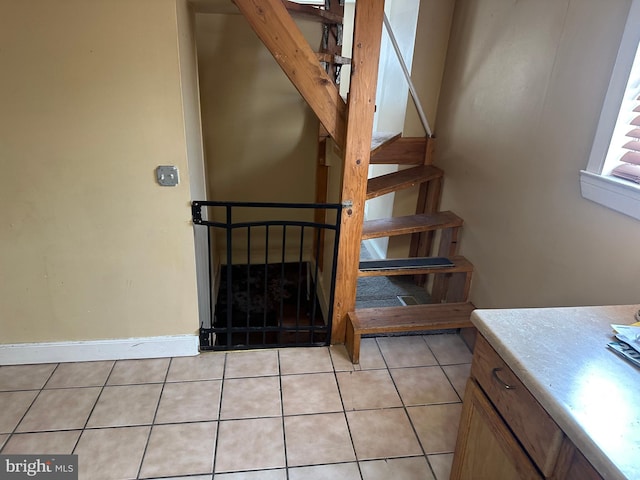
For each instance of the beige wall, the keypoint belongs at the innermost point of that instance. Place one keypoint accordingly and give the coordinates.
(521, 98)
(260, 136)
(90, 246)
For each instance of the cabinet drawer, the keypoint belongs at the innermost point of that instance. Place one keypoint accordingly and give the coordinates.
(529, 422)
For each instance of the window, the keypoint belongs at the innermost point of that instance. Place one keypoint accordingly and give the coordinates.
(612, 174)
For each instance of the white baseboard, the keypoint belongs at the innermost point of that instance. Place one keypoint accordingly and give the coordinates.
(91, 350)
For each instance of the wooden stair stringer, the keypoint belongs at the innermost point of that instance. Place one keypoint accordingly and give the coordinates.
(410, 318)
(273, 24)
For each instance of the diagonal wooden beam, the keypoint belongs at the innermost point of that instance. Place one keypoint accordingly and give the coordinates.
(280, 34)
(357, 151)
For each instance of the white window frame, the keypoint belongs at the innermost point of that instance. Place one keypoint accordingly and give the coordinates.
(595, 182)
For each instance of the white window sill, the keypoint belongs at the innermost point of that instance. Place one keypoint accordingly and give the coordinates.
(614, 193)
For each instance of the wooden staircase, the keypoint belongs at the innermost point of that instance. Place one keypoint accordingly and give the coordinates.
(452, 273)
(349, 124)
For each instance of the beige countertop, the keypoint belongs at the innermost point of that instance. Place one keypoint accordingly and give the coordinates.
(560, 354)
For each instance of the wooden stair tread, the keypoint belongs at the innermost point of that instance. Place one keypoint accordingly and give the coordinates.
(423, 222)
(406, 178)
(382, 139)
(412, 317)
(460, 265)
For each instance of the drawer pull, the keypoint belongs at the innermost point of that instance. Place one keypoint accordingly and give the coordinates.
(494, 372)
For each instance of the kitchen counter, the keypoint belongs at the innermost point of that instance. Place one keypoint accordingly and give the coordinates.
(560, 355)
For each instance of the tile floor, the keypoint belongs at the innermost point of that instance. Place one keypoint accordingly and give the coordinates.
(297, 413)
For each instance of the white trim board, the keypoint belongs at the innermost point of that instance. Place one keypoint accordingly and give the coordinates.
(614, 193)
(92, 350)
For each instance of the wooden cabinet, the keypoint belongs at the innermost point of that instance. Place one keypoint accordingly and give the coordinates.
(486, 449)
(505, 433)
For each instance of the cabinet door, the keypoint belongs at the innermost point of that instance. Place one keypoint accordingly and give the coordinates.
(485, 448)
(572, 465)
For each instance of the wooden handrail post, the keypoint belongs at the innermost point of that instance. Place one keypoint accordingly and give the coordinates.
(369, 17)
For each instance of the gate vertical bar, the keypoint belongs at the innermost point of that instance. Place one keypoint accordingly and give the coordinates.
(266, 282)
(315, 289)
(282, 282)
(248, 283)
(211, 339)
(334, 275)
(229, 278)
(298, 289)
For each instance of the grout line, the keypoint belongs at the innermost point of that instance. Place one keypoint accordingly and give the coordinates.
(219, 420)
(94, 407)
(284, 431)
(442, 370)
(406, 411)
(13, 432)
(146, 445)
(44, 385)
(344, 413)
(451, 383)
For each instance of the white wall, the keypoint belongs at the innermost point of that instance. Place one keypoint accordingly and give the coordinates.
(522, 93)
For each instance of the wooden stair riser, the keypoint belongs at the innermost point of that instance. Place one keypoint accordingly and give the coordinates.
(401, 179)
(404, 151)
(451, 287)
(389, 227)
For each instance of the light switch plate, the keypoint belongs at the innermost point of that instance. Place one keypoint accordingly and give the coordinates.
(167, 175)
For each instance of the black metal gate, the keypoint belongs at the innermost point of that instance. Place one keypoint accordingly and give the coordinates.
(274, 285)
